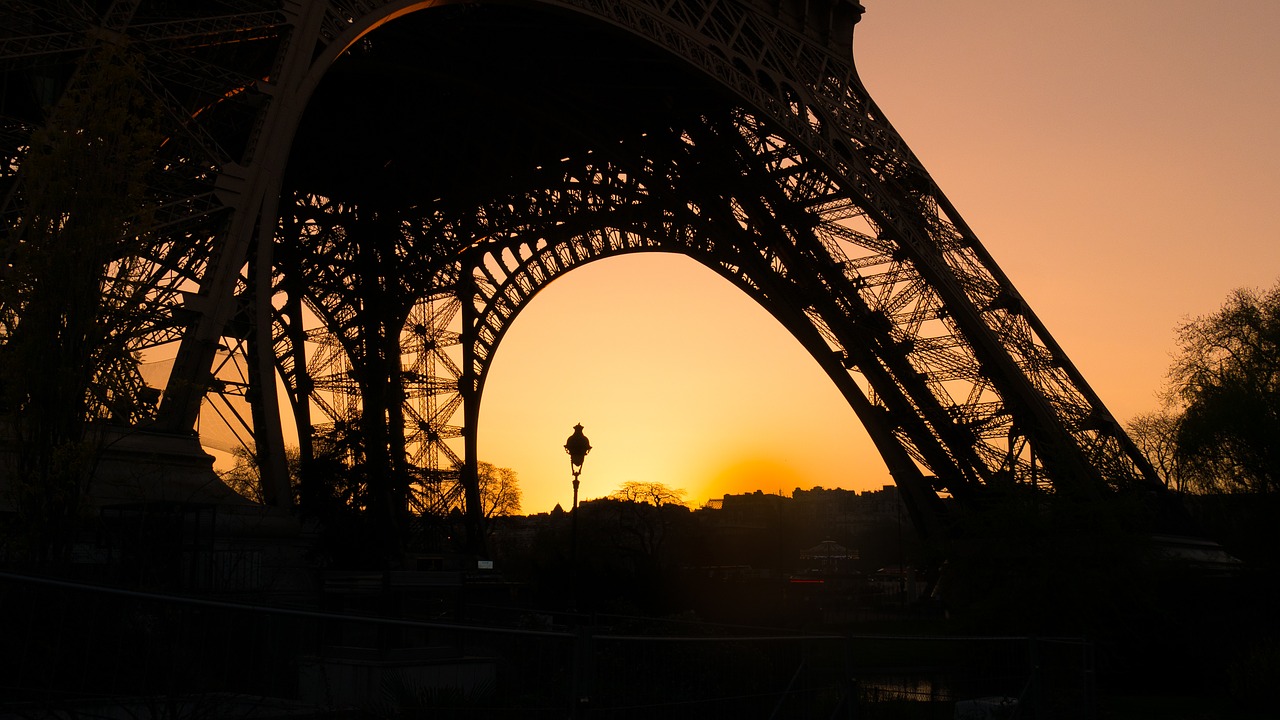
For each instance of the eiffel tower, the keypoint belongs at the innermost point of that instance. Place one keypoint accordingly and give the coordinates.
(352, 200)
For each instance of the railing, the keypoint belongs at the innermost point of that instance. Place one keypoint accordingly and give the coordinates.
(78, 650)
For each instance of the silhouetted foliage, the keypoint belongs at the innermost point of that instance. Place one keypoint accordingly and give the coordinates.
(1218, 437)
(1226, 375)
(1218, 440)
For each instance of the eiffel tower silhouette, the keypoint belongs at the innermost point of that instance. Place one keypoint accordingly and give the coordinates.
(358, 197)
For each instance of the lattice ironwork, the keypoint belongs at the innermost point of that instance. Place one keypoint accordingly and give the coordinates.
(385, 185)
(432, 359)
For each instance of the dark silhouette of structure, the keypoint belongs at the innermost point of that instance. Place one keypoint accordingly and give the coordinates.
(358, 197)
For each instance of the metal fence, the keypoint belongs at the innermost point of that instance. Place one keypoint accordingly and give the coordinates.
(74, 650)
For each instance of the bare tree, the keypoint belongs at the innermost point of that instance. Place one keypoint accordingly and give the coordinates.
(1156, 435)
(499, 490)
(644, 512)
(245, 477)
(651, 493)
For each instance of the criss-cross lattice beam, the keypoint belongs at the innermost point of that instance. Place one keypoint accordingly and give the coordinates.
(790, 182)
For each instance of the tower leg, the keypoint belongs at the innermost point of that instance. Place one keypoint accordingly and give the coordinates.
(269, 451)
(469, 387)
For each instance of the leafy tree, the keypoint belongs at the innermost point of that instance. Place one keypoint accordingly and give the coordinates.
(1226, 375)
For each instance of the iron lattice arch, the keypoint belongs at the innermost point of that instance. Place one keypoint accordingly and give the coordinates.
(361, 197)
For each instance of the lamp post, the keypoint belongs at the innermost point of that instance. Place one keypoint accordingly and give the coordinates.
(577, 446)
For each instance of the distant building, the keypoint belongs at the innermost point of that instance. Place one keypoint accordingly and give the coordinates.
(832, 513)
(827, 556)
(750, 510)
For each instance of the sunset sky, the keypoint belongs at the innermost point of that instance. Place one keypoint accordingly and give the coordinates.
(1121, 161)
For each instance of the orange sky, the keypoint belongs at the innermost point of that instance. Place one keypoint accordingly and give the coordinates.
(1119, 160)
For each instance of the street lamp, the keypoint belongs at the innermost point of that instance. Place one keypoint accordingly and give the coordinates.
(577, 446)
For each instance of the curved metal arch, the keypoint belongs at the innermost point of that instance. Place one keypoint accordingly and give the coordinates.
(508, 271)
(832, 115)
(812, 93)
(927, 326)
(904, 369)
(732, 215)
(541, 262)
(321, 32)
(967, 440)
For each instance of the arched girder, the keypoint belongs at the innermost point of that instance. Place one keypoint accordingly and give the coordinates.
(887, 323)
(543, 262)
(511, 269)
(823, 194)
(716, 38)
(890, 326)
(1011, 370)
